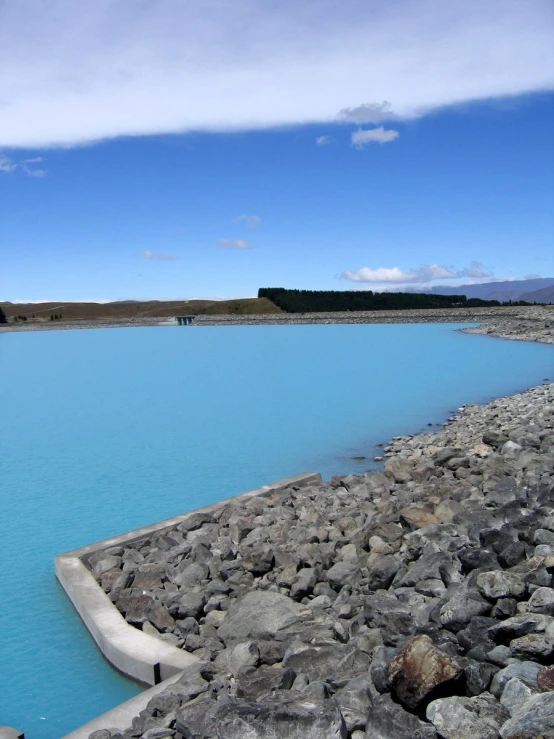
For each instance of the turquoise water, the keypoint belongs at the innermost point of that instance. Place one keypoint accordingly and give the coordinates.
(107, 430)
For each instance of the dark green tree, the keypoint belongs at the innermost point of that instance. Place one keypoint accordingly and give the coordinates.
(315, 301)
(3, 318)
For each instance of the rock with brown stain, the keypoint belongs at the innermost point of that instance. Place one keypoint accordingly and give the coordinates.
(545, 678)
(419, 669)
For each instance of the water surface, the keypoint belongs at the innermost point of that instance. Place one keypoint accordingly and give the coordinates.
(107, 430)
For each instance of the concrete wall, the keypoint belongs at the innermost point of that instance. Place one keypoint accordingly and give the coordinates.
(120, 717)
(138, 655)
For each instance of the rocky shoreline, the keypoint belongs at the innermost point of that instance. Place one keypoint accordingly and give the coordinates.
(412, 603)
(538, 319)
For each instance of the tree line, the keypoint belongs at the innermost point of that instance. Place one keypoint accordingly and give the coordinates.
(320, 301)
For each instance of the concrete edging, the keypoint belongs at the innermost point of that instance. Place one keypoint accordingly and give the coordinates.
(121, 717)
(138, 655)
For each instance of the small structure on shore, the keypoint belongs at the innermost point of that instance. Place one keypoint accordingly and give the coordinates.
(185, 320)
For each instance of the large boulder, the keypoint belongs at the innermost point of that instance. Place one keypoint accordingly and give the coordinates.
(534, 719)
(285, 719)
(388, 720)
(419, 670)
(461, 718)
(322, 661)
(258, 615)
(263, 682)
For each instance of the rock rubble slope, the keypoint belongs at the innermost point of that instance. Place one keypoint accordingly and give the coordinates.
(412, 603)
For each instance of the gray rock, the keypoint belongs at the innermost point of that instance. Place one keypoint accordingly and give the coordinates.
(320, 601)
(191, 575)
(388, 720)
(258, 615)
(526, 623)
(511, 450)
(429, 566)
(105, 564)
(460, 718)
(303, 583)
(355, 700)
(243, 655)
(341, 573)
(500, 655)
(259, 560)
(526, 671)
(398, 469)
(543, 536)
(494, 438)
(534, 647)
(263, 682)
(511, 554)
(478, 677)
(283, 719)
(462, 607)
(534, 720)
(323, 661)
(542, 601)
(381, 570)
(515, 694)
(191, 683)
(498, 584)
(190, 605)
(140, 607)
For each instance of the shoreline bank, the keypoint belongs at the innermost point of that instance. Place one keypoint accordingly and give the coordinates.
(495, 318)
(338, 624)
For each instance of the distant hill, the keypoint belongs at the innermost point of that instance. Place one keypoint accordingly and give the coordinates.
(40, 312)
(503, 291)
(545, 295)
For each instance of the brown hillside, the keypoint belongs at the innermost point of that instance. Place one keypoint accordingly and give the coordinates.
(136, 309)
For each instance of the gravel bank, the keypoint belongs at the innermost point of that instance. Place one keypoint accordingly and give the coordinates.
(413, 603)
(497, 319)
(506, 318)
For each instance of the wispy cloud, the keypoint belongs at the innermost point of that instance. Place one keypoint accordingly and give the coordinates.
(133, 68)
(324, 140)
(7, 165)
(380, 135)
(249, 221)
(424, 274)
(34, 172)
(147, 254)
(367, 113)
(234, 244)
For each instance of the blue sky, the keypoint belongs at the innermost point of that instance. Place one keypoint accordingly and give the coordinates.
(259, 150)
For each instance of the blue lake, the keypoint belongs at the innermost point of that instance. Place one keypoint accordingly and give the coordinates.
(107, 430)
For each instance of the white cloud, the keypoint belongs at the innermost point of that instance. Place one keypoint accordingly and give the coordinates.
(364, 136)
(249, 221)
(234, 244)
(147, 254)
(74, 72)
(426, 273)
(324, 140)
